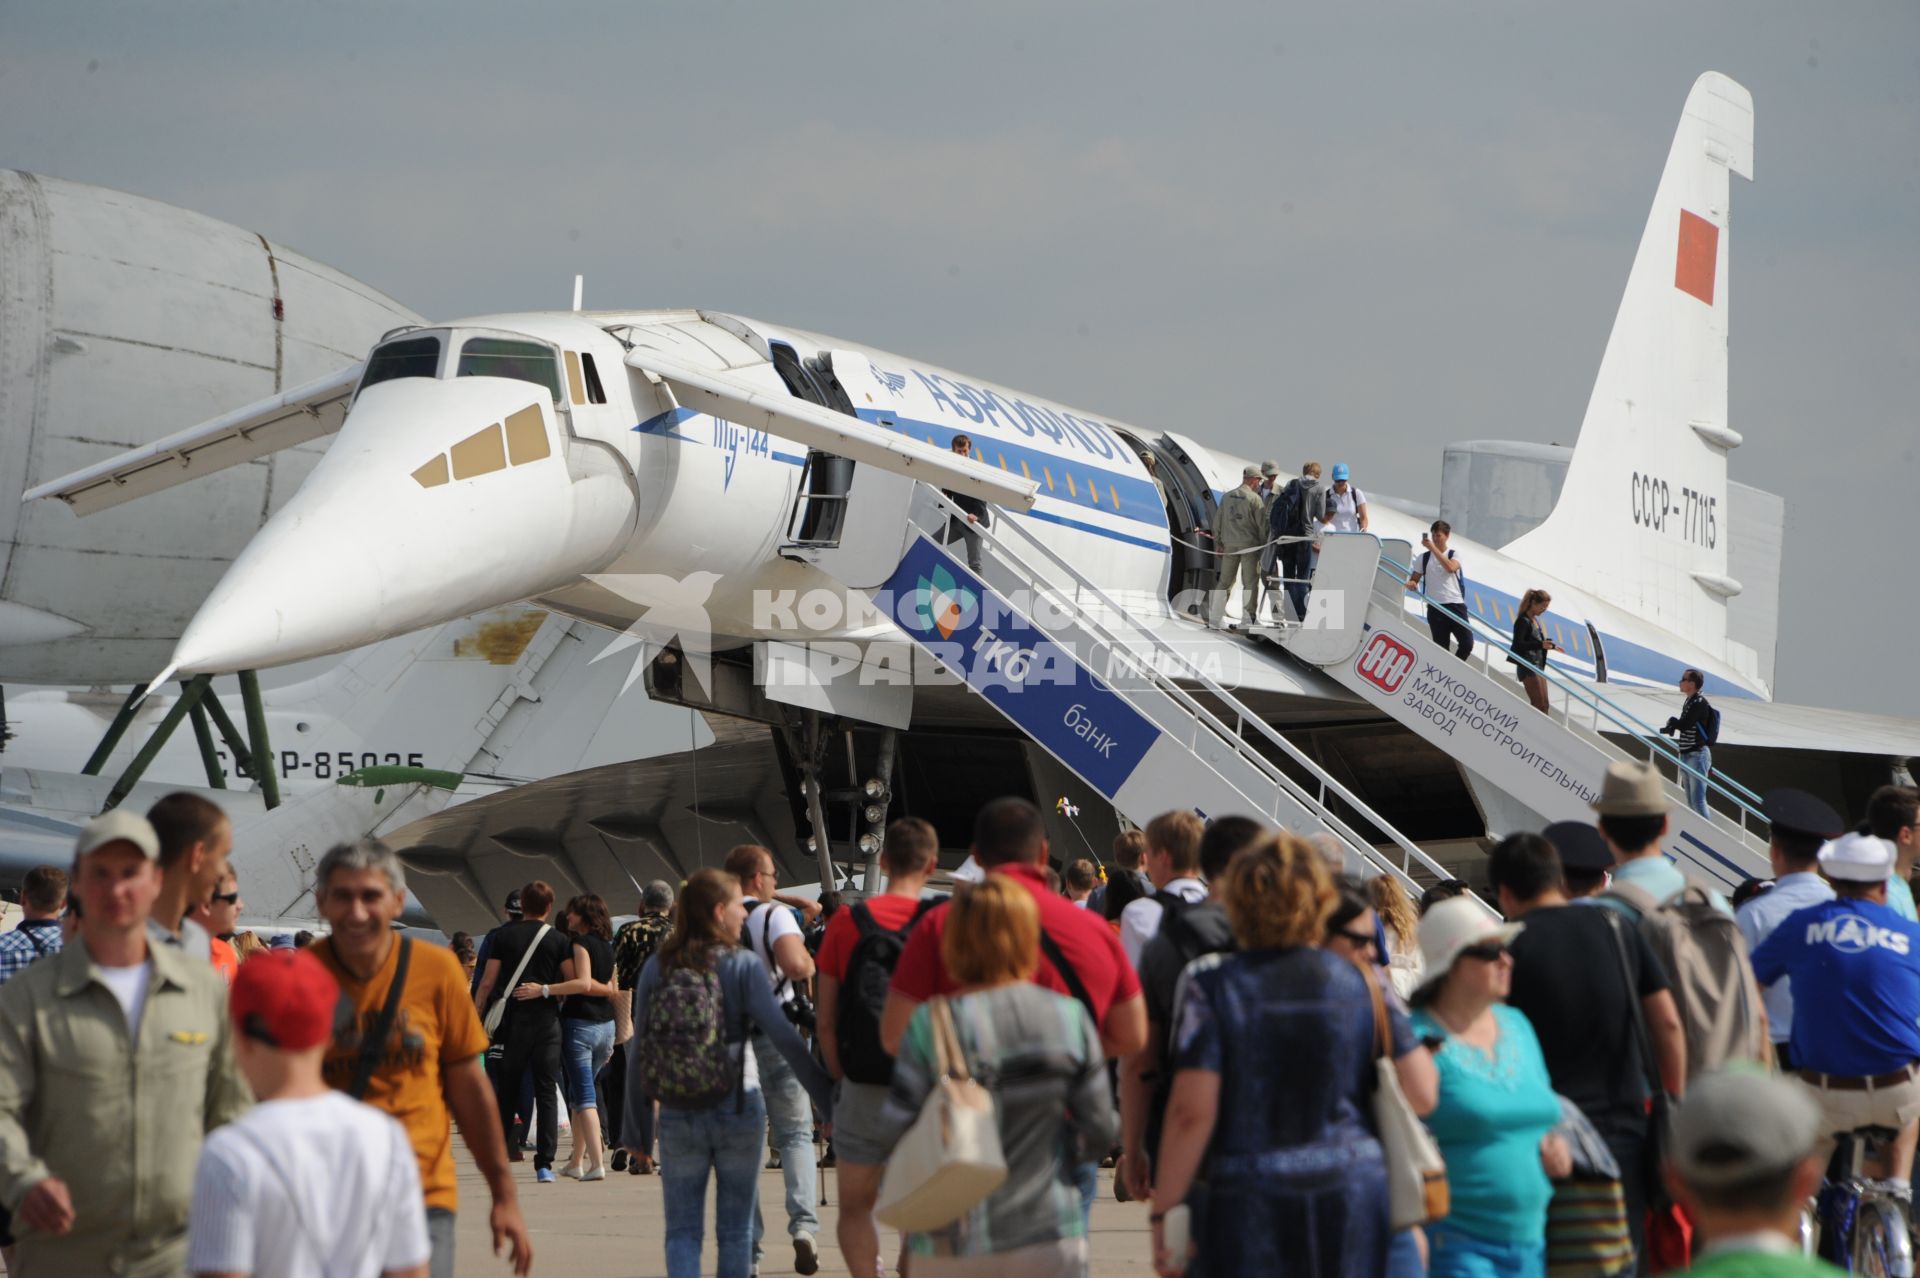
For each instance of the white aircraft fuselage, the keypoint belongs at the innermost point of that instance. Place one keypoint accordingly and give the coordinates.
(458, 489)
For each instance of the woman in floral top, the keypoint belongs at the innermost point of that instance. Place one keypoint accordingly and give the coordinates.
(1039, 1055)
(1497, 1108)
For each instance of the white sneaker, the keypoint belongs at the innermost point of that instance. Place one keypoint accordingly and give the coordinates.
(806, 1254)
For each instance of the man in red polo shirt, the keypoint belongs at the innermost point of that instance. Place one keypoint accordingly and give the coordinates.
(1079, 954)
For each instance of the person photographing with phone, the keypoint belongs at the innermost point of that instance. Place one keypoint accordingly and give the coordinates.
(1438, 577)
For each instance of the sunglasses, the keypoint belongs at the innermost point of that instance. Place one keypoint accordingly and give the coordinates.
(227, 898)
(1360, 940)
(1486, 951)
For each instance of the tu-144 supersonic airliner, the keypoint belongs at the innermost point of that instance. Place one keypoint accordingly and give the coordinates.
(598, 461)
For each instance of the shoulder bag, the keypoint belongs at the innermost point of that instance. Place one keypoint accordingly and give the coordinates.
(499, 1009)
(1587, 1232)
(1416, 1174)
(950, 1159)
(1658, 1110)
(373, 1041)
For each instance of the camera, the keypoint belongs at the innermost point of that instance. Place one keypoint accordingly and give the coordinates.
(799, 1010)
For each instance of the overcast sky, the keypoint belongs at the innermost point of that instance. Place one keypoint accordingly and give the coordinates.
(1272, 230)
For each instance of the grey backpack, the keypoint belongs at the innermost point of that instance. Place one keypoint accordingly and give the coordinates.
(1706, 961)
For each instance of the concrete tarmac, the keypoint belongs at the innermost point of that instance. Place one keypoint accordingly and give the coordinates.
(613, 1228)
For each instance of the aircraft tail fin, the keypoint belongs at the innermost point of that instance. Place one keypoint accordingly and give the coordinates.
(1642, 519)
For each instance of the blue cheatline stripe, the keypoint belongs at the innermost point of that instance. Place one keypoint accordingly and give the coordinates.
(1139, 499)
(1140, 502)
(1064, 522)
(1624, 657)
(667, 424)
(1739, 875)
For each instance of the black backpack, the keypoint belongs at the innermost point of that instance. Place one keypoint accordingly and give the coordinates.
(1290, 510)
(863, 994)
(1708, 731)
(1179, 931)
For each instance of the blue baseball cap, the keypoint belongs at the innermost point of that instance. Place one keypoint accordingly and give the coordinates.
(1339, 471)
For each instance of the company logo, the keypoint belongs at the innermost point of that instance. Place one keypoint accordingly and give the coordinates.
(941, 603)
(1384, 662)
(1851, 934)
(896, 383)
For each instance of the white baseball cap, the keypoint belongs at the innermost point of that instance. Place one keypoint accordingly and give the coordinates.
(1452, 926)
(119, 826)
(1857, 858)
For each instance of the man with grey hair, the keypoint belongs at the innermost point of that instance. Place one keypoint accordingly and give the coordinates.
(414, 1044)
(633, 945)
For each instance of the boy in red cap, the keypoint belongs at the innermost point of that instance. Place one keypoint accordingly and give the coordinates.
(308, 1182)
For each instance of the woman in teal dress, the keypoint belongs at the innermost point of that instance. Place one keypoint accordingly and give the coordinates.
(1497, 1108)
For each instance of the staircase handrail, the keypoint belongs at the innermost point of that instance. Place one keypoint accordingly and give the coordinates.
(1604, 706)
(1410, 851)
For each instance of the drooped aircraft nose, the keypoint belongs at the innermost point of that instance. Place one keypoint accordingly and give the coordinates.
(437, 499)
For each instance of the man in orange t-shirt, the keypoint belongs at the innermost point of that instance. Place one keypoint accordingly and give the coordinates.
(220, 914)
(428, 1071)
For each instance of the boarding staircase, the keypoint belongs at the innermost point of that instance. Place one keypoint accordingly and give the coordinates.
(1129, 713)
(1358, 630)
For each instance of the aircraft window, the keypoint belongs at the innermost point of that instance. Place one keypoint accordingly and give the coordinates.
(576, 388)
(527, 436)
(501, 357)
(479, 454)
(434, 473)
(409, 357)
(596, 394)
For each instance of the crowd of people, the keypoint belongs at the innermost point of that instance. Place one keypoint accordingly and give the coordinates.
(1268, 536)
(1614, 1071)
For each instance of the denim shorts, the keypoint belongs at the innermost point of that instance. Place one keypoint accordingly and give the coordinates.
(859, 1136)
(585, 1047)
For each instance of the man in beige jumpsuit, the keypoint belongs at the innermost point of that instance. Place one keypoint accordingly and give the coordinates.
(1240, 534)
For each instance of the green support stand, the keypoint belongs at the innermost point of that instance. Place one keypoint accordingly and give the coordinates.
(264, 771)
(190, 694)
(209, 757)
(115, 730)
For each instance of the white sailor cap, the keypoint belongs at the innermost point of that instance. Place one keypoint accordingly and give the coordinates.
(1857, 858)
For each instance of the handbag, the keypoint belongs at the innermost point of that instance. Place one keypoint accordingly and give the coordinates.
(950, 1158)
(622, 1015)
(1416, 1174)
(499, 1009)
(1587, 1234)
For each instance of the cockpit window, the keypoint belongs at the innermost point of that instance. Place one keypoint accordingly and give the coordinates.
(501, 357)
(406, 357)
